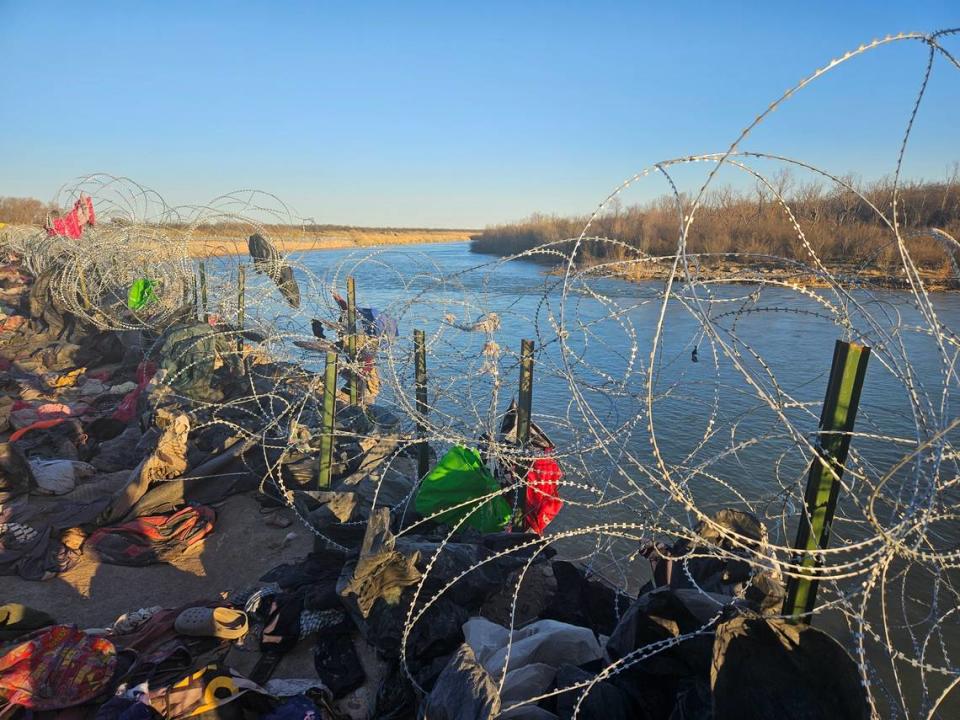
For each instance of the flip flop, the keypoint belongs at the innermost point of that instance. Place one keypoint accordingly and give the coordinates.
(220, 622)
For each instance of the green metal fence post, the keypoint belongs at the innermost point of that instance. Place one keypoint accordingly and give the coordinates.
(203, 291)
(84, 297)
(823, 486)
(420, 359)
(526, 392)
(352, 340)
(241, 302)
(186, 294)
(524, 410)
(329, 407)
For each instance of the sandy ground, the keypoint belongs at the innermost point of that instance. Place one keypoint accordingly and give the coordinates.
(241, 549)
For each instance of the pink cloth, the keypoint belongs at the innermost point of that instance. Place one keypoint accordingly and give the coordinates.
(53, 410)
(70, 225)
(49, 411)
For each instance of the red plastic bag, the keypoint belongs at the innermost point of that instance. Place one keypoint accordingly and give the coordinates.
(543, 493)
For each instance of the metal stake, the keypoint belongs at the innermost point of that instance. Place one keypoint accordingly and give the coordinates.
(83, 290)
(420, 359)
(526, 392)
(329, 407)
(203, 291)
(352, 340)
(823, 484)
(524, 409)
(241, 310)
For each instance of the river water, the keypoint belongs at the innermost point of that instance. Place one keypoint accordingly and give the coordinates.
(728, 428)
(726, 431)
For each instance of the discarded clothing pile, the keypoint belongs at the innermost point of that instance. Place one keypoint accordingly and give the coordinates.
(679, 652)
(154, 663)
(74, 400)
(153, 538)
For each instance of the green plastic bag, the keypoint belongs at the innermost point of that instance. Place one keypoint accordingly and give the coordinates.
(141, 294)
(458, 477)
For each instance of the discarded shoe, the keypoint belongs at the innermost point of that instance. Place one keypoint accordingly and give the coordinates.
(220, 622)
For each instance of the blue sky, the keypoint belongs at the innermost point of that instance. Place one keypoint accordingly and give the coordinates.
(451, 114)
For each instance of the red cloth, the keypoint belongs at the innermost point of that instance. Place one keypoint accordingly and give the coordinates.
(152, 538)
(70, 225)
(39, 425)
(13, 323)
(57, 667)
(128, 406)
(543, 493)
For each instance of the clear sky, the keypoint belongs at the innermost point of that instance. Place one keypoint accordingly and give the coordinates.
(451, 114)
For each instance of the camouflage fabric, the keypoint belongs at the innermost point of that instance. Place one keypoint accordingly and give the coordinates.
(190, 354)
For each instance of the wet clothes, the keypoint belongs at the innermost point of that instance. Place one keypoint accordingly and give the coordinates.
(542, 474)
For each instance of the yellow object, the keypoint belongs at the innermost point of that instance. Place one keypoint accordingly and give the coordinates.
(68, 379)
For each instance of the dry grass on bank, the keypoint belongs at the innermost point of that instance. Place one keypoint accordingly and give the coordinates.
(230, 239)
(209, 241)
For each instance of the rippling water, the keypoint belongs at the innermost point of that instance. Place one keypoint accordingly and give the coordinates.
(608, 353)
(593, 393)
(719, 441)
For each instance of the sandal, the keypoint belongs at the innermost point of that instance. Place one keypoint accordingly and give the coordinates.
(219, 622)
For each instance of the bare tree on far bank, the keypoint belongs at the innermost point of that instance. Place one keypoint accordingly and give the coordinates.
(837, 223)
(24, 211)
